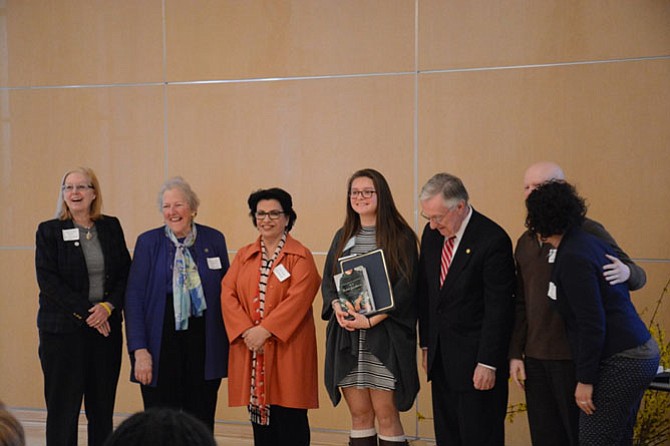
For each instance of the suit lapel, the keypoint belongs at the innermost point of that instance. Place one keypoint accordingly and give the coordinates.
(462, 256)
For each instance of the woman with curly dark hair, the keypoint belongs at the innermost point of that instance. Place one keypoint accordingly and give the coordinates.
(615, 356)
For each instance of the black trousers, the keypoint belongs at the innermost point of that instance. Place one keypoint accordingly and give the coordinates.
(81, 365)
(288, 427)
(553, 416)
(467, 418)
(181, 373)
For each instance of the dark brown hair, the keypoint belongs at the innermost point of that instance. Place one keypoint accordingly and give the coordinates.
(390, 227)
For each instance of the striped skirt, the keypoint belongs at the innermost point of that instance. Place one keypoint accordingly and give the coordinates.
(369, 372)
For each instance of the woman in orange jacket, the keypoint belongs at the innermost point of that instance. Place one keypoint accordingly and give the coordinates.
(266, 299)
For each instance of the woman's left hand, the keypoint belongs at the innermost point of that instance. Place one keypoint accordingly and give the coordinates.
(255, 337)
(98, 319)
(584, 398)
(359, 322)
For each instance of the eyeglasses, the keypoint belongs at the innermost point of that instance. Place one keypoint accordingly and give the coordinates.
(273, 215)
(366, 193)
(76, 187)
(437, 218)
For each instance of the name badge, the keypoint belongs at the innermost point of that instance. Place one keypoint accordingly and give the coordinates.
(281, 273)
(552, 291)
(551, 258)
(214, 262)
(70, 234)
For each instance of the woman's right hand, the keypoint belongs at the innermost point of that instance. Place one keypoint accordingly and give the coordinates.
(143, 366)
(340, 315)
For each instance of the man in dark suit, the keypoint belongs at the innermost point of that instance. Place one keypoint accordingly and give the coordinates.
(466, 283)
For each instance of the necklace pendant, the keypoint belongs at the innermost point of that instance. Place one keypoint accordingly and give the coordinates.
(89, 236)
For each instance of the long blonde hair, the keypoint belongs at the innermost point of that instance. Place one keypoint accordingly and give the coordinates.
(63, 212)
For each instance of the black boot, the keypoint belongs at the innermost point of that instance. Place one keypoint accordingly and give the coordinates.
(393, 443)
(365, 441)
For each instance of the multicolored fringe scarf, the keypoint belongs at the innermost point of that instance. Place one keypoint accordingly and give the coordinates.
(188, 297)
(259, 411)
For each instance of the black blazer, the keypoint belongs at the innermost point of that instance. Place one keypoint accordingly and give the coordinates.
(468, 320)
(63, 277)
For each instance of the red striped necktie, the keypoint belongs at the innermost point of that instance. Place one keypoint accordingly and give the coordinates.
(447, 253)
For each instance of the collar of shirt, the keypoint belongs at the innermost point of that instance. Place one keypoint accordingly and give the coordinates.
(461, 230)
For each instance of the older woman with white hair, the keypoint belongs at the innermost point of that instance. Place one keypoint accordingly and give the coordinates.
(175, 333)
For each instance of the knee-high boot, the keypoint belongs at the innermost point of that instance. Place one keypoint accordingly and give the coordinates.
(393, 443)
(365, 441)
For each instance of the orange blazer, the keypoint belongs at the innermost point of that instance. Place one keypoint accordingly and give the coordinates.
(290, 353)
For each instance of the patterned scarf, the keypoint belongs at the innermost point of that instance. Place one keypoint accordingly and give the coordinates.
(259, 411)
(188, 296)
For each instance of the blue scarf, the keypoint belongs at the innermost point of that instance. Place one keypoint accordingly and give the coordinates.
(187, 293)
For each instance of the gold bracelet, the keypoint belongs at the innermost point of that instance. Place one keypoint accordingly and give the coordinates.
(107, 307)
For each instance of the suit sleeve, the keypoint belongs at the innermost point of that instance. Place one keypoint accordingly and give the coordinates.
(499, 280)
(116, 292)
(638, 277)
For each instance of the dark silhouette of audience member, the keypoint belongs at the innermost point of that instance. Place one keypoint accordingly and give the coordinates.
(11, 431)
(161, 427)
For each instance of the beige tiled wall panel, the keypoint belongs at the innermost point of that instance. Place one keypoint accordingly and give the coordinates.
(465, 34)
(267, 38)
(646, 300)
(116, 131)
(72, 42)
(606, 124)
(307, 137)
(21, 382)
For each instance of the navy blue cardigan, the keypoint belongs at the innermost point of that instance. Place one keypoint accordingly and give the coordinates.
(146, 295)
(600, 318)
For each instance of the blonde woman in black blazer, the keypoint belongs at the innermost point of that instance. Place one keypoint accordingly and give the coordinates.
(82, 265)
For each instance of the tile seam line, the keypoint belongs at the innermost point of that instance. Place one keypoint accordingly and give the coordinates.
(547, 65)
(339, 76)
(211, 81)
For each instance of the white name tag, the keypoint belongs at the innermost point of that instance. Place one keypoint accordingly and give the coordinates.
(552, 291)
(552, 255)
(214, 262)
(281, 273)
(70, 234)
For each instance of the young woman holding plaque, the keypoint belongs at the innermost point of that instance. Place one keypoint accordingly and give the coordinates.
(372, 360)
